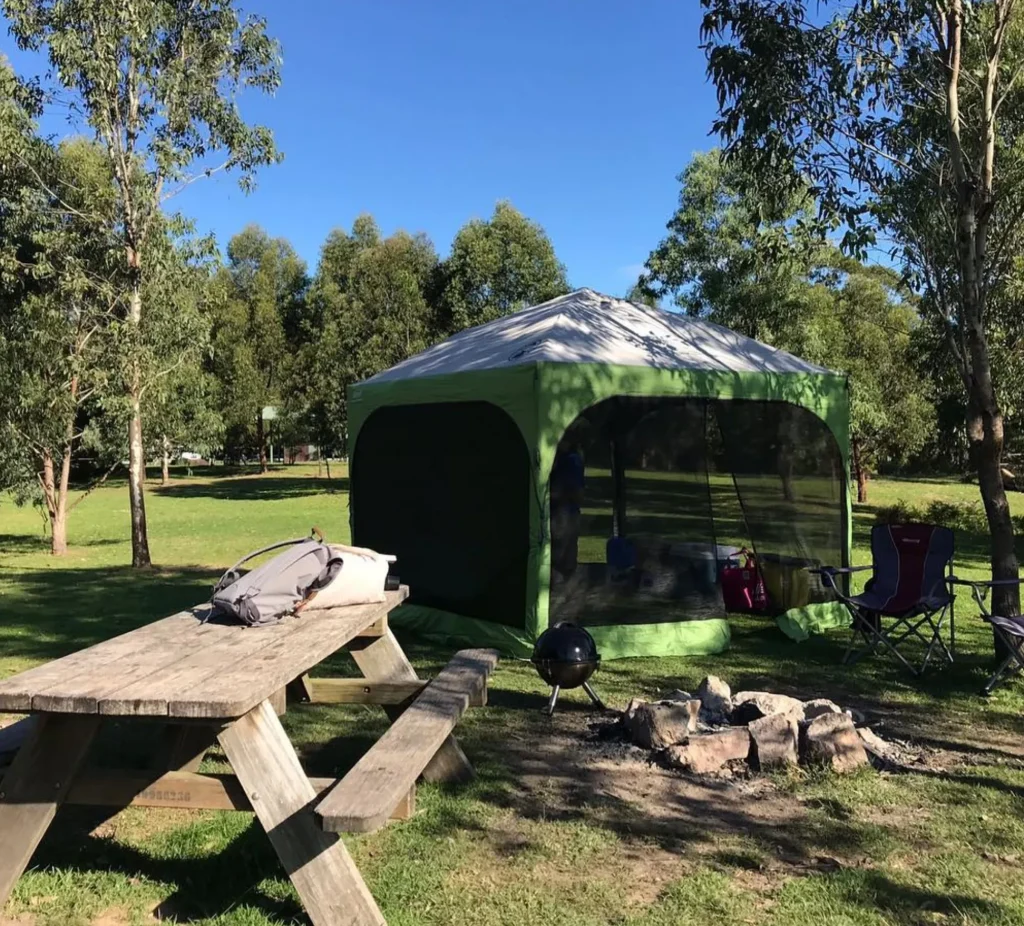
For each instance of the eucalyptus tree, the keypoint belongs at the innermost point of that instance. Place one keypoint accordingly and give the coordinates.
(905, 118)
(157, 81)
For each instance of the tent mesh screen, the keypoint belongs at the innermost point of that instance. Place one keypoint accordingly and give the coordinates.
(790, 482)
(650, 495)
(446, 488)
(633, 542)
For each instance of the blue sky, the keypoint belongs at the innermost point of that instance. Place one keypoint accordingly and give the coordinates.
(425, 114)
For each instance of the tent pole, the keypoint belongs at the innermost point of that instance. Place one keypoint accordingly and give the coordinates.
(618, 490)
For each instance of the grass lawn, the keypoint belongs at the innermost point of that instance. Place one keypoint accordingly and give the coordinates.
(558, 829)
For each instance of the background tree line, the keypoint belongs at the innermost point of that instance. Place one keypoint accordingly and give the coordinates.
(186, 351)
(846, 128)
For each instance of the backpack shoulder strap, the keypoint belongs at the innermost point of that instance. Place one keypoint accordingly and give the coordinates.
(231, 574)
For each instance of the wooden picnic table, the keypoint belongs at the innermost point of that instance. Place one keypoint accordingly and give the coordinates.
(210, 681)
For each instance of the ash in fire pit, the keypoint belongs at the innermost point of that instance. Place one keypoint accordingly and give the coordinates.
(717, 732)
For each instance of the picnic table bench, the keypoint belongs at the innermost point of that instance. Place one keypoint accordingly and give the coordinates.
(209, 681)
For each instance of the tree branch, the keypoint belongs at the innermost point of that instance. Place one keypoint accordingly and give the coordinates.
(158, 376)
(209, 172)
(90, 489)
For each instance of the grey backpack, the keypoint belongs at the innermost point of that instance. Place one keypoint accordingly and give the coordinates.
(278, 587)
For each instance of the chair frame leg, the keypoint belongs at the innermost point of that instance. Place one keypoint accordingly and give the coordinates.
(874, 638)
(1013, 664)
(867, 626)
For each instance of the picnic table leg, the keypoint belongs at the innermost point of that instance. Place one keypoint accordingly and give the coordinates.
(300, 691)
(381, 659)
(184, 747)
(35, 786)
(327, 880)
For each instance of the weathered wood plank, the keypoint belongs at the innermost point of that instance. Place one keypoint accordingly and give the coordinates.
(300, 690)
(241, 684)
(383, 660)
(35, 785)
(17, 692)
(183, 747)
(13, 737)
(225, 649)
(140, 672)
(361, 691)
(166, 645)
(184, 790)
(363, 801)
(377, 629)
(279, 701)
(406, 808)
(319, 865)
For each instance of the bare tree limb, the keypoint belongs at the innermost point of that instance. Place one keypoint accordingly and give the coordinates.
(91, 488)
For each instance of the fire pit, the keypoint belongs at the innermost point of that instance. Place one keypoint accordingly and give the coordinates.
(566, 656)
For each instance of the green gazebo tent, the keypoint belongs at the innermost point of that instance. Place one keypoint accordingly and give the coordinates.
(596, 460)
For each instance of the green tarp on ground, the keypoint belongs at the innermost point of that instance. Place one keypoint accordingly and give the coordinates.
(799, 623)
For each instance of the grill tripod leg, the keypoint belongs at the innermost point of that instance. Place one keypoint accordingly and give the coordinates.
(550, 709)
(593, 695)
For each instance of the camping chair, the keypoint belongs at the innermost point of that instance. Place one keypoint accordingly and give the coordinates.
(911, 567)
(1008, 631)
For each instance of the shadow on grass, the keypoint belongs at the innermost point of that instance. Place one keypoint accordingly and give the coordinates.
(205, 885)
(59, 610)
(254, 488)
(907, 905)
(27, 543)
(24, 543)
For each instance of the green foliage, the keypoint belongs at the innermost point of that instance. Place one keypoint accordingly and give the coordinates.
(179, 392)
(257, 302)
(368, 309)
(157, 80)
(724, 260)
(727, 259)
(497, 267)
(373, 302)
(390, 316)
(58, 299)
(955, 514)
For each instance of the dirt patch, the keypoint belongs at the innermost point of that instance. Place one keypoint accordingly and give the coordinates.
(115, 916)
(561, 771)
(509, 847)
(118, 916)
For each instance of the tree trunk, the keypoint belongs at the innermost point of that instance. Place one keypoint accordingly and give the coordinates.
(328, 461)
(136, 446)
(976, 202)
(261, 441)
(165, 463)
(985, 435)
(56, 504)
(860, 473)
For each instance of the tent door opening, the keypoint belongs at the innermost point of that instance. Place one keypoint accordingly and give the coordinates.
(649, 496)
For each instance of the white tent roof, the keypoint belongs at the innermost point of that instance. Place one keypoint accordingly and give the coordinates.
(588, 327)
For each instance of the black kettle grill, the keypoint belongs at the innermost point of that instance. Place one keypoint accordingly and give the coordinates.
(565, 657)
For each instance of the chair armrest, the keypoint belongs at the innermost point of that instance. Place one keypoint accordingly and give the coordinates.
(988, 583)
(979, 588)
(829, 573)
